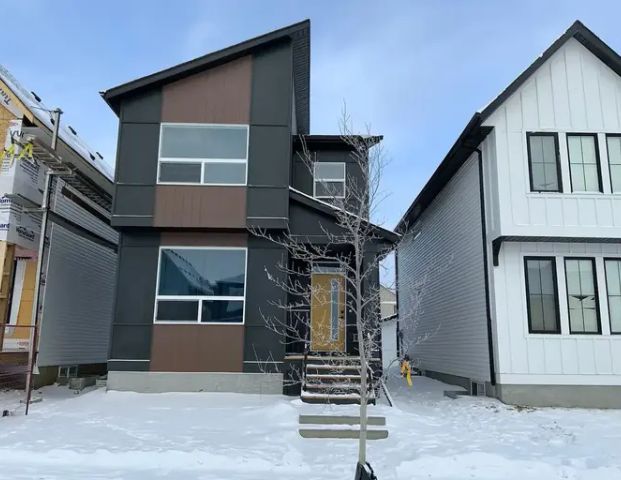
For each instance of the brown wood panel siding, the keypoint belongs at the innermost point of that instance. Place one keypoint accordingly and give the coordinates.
(218, 95)
(204, 239)
(200, 206)
(197, 348)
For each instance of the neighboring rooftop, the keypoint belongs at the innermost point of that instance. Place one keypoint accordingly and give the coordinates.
(66, 132)
(475, 132)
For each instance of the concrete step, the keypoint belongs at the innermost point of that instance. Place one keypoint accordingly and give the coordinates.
(335, 398)
(333, 366)
(340, 387)
(343, 433)
(339, 420)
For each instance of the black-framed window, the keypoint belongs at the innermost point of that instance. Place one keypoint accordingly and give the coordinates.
(584, 166)
(542, 295)
(582, 298)
(543, 162)
(201, 285)
(613, 292)
(613, 147)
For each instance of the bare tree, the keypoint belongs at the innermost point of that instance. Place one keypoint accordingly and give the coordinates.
(351, 244)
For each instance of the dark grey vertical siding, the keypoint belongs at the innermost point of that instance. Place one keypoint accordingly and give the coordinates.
(270, 136)
(136, 165)
(261, 343)
(135, 296)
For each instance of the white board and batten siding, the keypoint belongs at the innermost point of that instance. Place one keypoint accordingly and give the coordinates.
(573, 91)
(563, 359)
(442, 258)
(79, 292)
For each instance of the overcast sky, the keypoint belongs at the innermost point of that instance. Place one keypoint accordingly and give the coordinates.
(415, 71)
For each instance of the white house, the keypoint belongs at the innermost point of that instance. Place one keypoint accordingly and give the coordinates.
(515, 241)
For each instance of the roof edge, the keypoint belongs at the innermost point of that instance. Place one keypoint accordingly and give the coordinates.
(113, 94)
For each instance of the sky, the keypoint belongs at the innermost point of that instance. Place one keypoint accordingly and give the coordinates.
(415, 71)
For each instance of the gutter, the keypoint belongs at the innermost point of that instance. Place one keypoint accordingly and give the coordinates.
(490, 340)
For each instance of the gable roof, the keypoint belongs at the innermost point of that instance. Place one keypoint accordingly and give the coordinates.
(297, 33)
(475, 132)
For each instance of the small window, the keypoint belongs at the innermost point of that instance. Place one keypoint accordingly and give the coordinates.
(541, 295)
(584, 163)
(201, 285)
(613, 287)
(543, 162)
(203, 154)
(582, 295)
(329, 179)
(613, 143)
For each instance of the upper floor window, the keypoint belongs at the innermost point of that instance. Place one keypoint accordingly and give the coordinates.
(584, 163)
(543, 160)
(613, 143)
(198, 154)
(541, 295)
(329, 179)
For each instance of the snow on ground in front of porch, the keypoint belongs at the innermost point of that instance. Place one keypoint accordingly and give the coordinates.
(121, 435)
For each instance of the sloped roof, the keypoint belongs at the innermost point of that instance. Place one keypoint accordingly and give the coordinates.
(298, 33)
(66, 133)
(475, 132)
(331, 210)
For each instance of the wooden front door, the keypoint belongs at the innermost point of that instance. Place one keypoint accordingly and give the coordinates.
(328, 312)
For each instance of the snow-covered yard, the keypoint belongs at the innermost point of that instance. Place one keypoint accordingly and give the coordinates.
(118, 435)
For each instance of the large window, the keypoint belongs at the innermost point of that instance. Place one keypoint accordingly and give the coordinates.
(541, 295)
(584, 163)
(582, 295)
(201, 285)
(613, 144)
(613, 287)
(329, 179)
(543, 162)
(203, 154)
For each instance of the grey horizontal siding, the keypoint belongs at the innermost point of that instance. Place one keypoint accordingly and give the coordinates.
(441, 282)
(78, 301)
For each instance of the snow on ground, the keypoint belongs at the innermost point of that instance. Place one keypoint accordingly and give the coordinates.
(120, 435)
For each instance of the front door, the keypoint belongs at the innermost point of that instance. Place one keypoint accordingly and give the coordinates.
(328, 312)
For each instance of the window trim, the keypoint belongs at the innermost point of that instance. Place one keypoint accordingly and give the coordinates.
(617, 259)
(202, 161)
(612, 135)
(198, 297)
(557, 331)
(597, 303)
(558, 160)
(597, 161)
(344, 179)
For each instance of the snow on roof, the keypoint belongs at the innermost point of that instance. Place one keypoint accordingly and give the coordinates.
(66, 133)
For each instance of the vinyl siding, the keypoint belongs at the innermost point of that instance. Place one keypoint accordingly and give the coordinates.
(79, 288)
(447, 260)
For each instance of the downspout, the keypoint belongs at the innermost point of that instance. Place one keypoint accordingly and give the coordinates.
(490, 340)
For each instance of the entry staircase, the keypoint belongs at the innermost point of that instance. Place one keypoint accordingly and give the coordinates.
(334, 379)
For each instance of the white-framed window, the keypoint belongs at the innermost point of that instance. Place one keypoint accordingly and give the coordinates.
(329, 179)
(203, 154)
(204, 285)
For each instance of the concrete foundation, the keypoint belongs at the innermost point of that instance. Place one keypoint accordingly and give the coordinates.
(159, 382)
(584, 396)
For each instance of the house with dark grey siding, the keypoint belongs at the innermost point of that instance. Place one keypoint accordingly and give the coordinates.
(516, 239)
(208, 150)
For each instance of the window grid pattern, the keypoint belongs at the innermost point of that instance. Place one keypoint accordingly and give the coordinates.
(329, 179)
(584, 163)
(582, 299)
(543, 159)
(613, 145)
(542, 295)
(613, 291)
